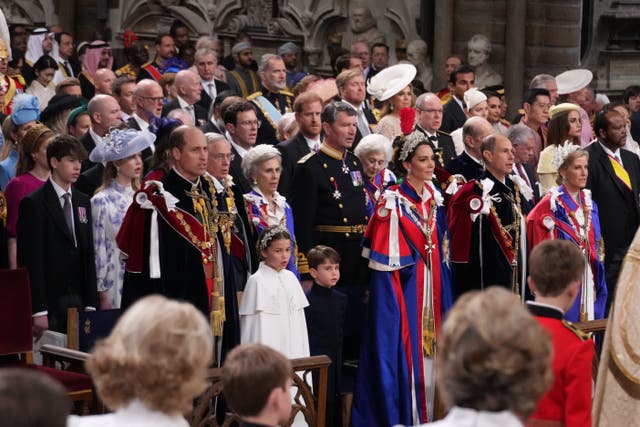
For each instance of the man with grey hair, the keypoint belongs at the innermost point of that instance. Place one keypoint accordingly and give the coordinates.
(206, 65)
(272, 100)
(428, 121)
(330, 208)
(147, 98)
(469, 164)
(188, 87)
(548, 82)
(522, 138)
(479, 50)
(484, 254)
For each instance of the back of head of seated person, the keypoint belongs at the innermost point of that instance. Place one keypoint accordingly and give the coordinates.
(494, 360)
(31, 399)
(152, 365)
(256, 382)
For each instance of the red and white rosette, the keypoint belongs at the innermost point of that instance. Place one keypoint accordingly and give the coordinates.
(475, 205)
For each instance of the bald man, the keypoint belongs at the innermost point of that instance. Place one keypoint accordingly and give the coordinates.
(189, 90)
(103, 81)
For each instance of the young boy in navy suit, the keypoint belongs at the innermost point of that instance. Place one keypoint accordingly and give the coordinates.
(55, 241)
(325, 320)
(557, 268)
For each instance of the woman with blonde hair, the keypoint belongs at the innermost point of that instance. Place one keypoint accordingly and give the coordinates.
(567, 212)
(152, 365)
(393, 87)
(491, 373)
(120, 153)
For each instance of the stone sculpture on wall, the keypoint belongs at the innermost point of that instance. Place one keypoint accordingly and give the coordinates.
(417, 55)
(362, 28)
(478, 52)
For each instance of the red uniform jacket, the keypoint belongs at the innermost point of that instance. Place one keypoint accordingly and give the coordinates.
(569, 399)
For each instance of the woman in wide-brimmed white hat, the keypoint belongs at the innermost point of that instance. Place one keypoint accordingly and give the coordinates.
(393, 86)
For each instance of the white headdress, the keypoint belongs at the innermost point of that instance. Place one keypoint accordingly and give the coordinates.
(562, 151)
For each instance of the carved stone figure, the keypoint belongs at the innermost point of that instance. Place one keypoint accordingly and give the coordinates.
(479, 50)
(362, 28)
(417, 55)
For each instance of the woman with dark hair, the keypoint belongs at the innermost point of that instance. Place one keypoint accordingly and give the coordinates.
(407, 244)
(564, 125)
(120, 153)
(567, 212)
(42, 87)
(32, 171)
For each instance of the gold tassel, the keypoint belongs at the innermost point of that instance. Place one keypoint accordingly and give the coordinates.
(217, 315)
(583, 313)
(428, 333)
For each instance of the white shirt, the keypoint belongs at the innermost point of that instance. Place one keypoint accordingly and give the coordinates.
(615, 154)
(211, 91)
(97, 139)
(241, 151)
(135, 414)
(314, 145)
(465, 417)
(144, 125)
(188, 108)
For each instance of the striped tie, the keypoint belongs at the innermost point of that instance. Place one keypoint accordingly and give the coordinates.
(620, 172)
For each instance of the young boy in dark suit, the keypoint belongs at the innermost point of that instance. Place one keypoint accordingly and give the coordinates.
(55, 241)
(557, 268)
(325, 320)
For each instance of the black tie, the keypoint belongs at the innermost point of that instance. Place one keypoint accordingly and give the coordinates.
(65, 64)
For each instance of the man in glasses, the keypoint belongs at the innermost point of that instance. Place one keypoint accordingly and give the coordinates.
(428, 121)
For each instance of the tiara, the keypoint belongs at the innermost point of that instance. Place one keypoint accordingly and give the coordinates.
(411, 142)
(561, 153)
(268, 236)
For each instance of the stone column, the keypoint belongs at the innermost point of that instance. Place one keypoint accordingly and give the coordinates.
(442, 40)
(514, 60)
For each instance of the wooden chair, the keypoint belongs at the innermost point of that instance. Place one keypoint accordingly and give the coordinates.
(312, 404)
(16, 337)
(593, 326)
(85, 327)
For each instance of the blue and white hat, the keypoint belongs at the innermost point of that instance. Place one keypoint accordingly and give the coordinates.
(121, 143)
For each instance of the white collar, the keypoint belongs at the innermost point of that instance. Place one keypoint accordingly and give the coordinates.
(97, 139)
(473, 158)
(241, 151)
(357, 108)
(193, 184)
(277, 198)
(183, 103)
(457, 101)
(59, 190)
(615, 154)
(143, 124)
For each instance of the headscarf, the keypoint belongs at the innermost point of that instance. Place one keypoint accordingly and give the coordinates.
(34, 45)
(92, 56)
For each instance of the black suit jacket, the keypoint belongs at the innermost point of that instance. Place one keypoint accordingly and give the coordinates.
(452, 116)
(618, 207)
(201, 113)
(89, 144)
(464, 165)
(212, 127)
(446, 150)
(241, 183)
(291, 150)
(635, 126)
(205, 99)
(147, 153)
(57, 267)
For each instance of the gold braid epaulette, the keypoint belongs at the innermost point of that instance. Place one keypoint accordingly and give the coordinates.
(573, 328)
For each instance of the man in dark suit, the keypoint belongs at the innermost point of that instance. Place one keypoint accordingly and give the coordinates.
(241, 122)
(147, 99)
(614, 180)
(104, 112)
(351, 88)
(428, 121)
(522, 138)
(307, 107)
(188, 87)
(460, 80)
(215, 123)
(469, 164)
(55, 241)
(206, 63)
